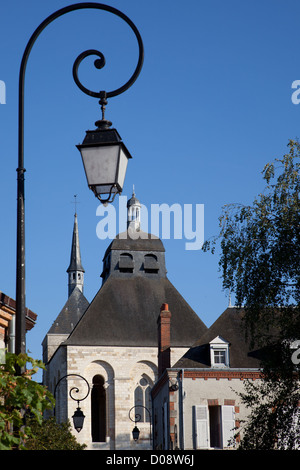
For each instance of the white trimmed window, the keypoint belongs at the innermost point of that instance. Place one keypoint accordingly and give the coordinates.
(219, 352)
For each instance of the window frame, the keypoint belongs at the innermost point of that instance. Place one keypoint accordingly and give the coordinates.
(219, 345)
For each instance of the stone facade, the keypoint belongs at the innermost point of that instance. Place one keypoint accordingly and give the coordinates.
(122, 369)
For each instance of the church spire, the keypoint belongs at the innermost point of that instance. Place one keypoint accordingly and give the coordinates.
(75, 270)
(133, 213)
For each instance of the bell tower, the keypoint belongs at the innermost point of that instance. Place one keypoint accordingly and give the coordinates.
(134, 213)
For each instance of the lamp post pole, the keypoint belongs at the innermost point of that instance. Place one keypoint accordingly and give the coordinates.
(20, 256)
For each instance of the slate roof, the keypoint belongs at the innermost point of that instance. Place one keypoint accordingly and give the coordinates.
(75, 258)
(124, 312)
(71, 313)
(133, 200)
(230, 327)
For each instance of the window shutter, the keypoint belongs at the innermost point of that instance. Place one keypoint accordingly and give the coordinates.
(201, 426)
(228, 425)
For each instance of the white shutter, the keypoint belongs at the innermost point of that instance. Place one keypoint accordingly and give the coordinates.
(228, 425)
(201, 426)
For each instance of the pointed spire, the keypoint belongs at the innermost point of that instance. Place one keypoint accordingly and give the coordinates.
(75, 269)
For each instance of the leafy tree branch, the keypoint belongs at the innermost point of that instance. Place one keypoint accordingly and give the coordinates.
(20, 396)
(260, 264)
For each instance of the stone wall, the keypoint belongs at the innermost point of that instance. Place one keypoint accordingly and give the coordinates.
(122, 369)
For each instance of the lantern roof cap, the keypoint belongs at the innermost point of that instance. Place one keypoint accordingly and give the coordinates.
(101, 135)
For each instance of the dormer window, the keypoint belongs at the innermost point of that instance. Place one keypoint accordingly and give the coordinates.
(150, 264)
(219, 352)
(126, 264)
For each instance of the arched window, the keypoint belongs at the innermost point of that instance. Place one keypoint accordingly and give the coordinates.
(98, 398)
(142, 399)
(133, 213)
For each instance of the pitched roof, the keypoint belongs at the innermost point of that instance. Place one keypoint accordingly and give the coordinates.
(230, 327)
(124, 312)
(70, 313)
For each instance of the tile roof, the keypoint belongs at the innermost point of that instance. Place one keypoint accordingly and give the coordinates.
(230, 326)
(70, 313)
(124, 312)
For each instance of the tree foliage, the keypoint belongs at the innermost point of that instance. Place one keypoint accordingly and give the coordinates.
(273, 421)
(259, 262)
(20, 396)
(50, 435)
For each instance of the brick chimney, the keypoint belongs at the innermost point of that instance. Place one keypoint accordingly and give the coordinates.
(164, 336)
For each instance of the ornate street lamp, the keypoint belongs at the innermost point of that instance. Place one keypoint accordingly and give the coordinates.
(105, 160)
(78, 416)
(137, 418)
(104, 155)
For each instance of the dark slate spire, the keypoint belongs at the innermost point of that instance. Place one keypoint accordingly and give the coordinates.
(75, 269)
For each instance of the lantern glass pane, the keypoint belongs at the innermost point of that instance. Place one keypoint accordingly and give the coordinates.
(78, 419)
(100, 164)
(122, 168)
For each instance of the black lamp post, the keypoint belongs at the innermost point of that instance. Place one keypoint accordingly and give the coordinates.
(137, 418)
(104, 156)
(78, 416)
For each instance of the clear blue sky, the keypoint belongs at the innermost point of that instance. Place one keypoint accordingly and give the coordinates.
(211, 107)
